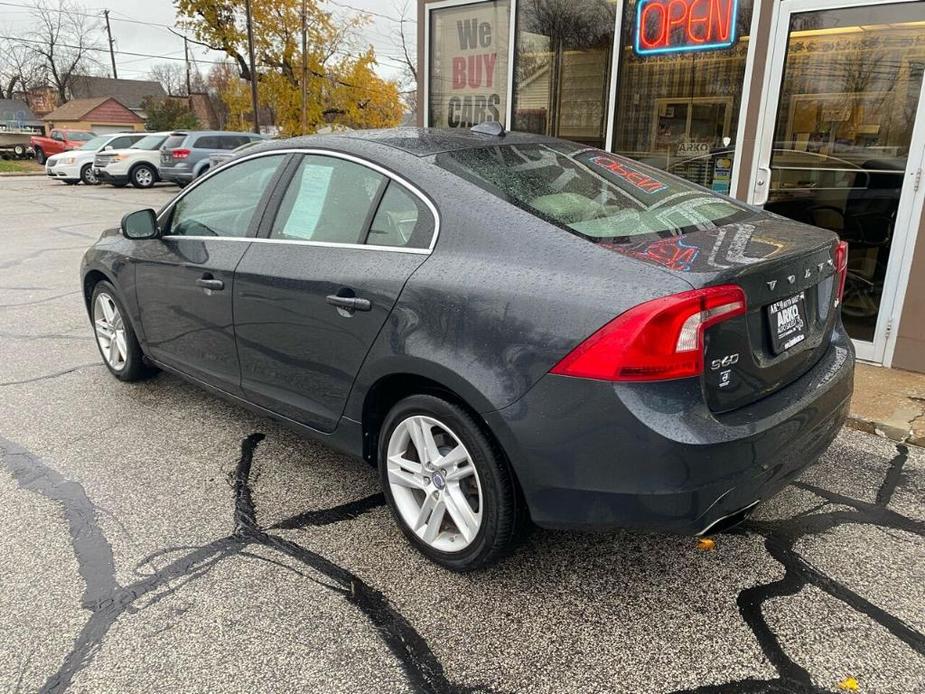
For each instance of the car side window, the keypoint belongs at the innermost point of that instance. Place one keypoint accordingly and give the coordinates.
(224, 204)
(401, 220)
(328, 199)
(205, 142)
(122, 142)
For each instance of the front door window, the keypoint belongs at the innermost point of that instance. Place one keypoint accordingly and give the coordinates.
(848, 102)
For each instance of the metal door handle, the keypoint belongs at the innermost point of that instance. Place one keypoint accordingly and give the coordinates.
(351, 303)
(209, 283)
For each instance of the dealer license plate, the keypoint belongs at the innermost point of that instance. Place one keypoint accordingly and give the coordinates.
(787, 319)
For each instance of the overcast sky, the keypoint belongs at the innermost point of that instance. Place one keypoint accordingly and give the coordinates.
(152, 39)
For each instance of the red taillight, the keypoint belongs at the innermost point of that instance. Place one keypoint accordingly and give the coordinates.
(841, 269)
(180, 153)
(659, 340)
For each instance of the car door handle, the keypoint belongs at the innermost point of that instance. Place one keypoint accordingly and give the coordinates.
(209, 283)
(351, 303)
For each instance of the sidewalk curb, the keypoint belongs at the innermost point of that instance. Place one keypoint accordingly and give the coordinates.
(885, 430)
(21, 174)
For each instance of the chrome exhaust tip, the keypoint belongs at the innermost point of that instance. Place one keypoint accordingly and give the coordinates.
(730, 520)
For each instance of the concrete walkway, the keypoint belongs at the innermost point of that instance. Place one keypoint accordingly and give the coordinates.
(889, 403)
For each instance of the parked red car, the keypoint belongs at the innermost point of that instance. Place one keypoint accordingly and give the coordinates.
(58, 141)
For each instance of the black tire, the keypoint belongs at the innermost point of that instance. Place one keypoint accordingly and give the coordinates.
(203, 171)
(503, 515)
(143, 176)
(86, 175)
(19, 151)
(69, 181)
(40, 157)
(134, 368)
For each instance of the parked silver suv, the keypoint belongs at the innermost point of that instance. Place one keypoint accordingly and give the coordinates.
(185, 155)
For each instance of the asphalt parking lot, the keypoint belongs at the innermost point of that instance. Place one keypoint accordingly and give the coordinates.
(156, 538)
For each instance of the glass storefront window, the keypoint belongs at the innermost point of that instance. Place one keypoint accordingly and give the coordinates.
(469, 47)
(562, 68)
(849, 98)
(682, 66)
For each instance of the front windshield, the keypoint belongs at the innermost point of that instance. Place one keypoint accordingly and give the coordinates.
(149, 142)
(80, 137)
(94, 144)
(591, 193)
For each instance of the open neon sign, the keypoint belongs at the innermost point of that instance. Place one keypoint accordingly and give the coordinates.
(678, 26)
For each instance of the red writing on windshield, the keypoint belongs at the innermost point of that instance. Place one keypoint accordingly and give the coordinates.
(636, 178)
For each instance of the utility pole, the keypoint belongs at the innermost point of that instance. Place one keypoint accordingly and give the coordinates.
(186, 57)
(304, 73)
(112, 53)
(252, 66)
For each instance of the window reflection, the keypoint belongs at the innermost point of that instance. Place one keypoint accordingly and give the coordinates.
(677, 107)
(562, 68)
(848, 103)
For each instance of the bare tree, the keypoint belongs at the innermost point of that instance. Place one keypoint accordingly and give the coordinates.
(404, 38)
(172, 77)
(66, 38)
(20, 68)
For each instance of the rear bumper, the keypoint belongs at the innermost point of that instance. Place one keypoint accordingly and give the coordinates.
(174, 174)
(597, 454)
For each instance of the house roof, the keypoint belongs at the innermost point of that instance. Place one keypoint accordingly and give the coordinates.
(128, 92)
(77, 109)
(18, 111)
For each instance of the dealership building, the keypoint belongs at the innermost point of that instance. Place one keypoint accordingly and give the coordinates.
(813, 109)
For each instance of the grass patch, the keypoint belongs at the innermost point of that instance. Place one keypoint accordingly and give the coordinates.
(21, 166)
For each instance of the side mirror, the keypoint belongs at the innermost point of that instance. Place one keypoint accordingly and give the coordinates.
(140, 225)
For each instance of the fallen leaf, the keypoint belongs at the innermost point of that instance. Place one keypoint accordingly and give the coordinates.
(705, 544)
(849, 684)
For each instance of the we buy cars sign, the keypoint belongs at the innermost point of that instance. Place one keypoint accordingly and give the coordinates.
(468, 84)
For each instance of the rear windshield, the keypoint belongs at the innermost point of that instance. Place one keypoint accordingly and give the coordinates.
(174, 141)
(149, 142)
(591, 193)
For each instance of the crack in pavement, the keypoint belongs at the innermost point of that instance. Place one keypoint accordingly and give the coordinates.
(108, 600)
(780, 539)
(29, 256)
(46, 377)
(41, 301)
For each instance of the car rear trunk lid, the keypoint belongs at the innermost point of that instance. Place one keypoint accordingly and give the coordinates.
(788, 273)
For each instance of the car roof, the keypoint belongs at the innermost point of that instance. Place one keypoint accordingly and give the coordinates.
(187, 133)
(421, 142)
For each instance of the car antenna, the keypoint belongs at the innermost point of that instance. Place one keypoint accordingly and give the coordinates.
(489, 127)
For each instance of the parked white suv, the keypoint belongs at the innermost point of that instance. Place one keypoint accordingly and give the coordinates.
(136, 165)
(76, 165)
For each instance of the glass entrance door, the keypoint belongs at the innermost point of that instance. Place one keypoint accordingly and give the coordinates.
(844, 106)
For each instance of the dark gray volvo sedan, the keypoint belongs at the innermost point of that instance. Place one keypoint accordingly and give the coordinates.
(513, 328)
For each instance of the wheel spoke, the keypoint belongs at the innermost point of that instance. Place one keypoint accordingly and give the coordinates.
(103, 330)
(462, 514)
(113, 352)
(460, 473)
(455, 457)
(406, 479)
(120, 342)
(108, 308)
(424, 440)
(405, 464)
(424, 513)
(432, 529)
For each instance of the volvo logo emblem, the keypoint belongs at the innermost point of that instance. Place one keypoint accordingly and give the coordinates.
(438, 480)
(807, 273)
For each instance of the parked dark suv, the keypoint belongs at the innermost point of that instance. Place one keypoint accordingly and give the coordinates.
(185, 155)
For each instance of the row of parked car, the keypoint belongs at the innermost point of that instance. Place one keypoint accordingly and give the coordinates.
(143, 159)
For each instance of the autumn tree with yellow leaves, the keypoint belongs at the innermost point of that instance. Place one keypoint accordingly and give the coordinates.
(342, 86)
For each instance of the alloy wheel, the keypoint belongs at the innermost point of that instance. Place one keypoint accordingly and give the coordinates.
(89, 178)
(434, 483)
(144, 177)
(110, 331)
